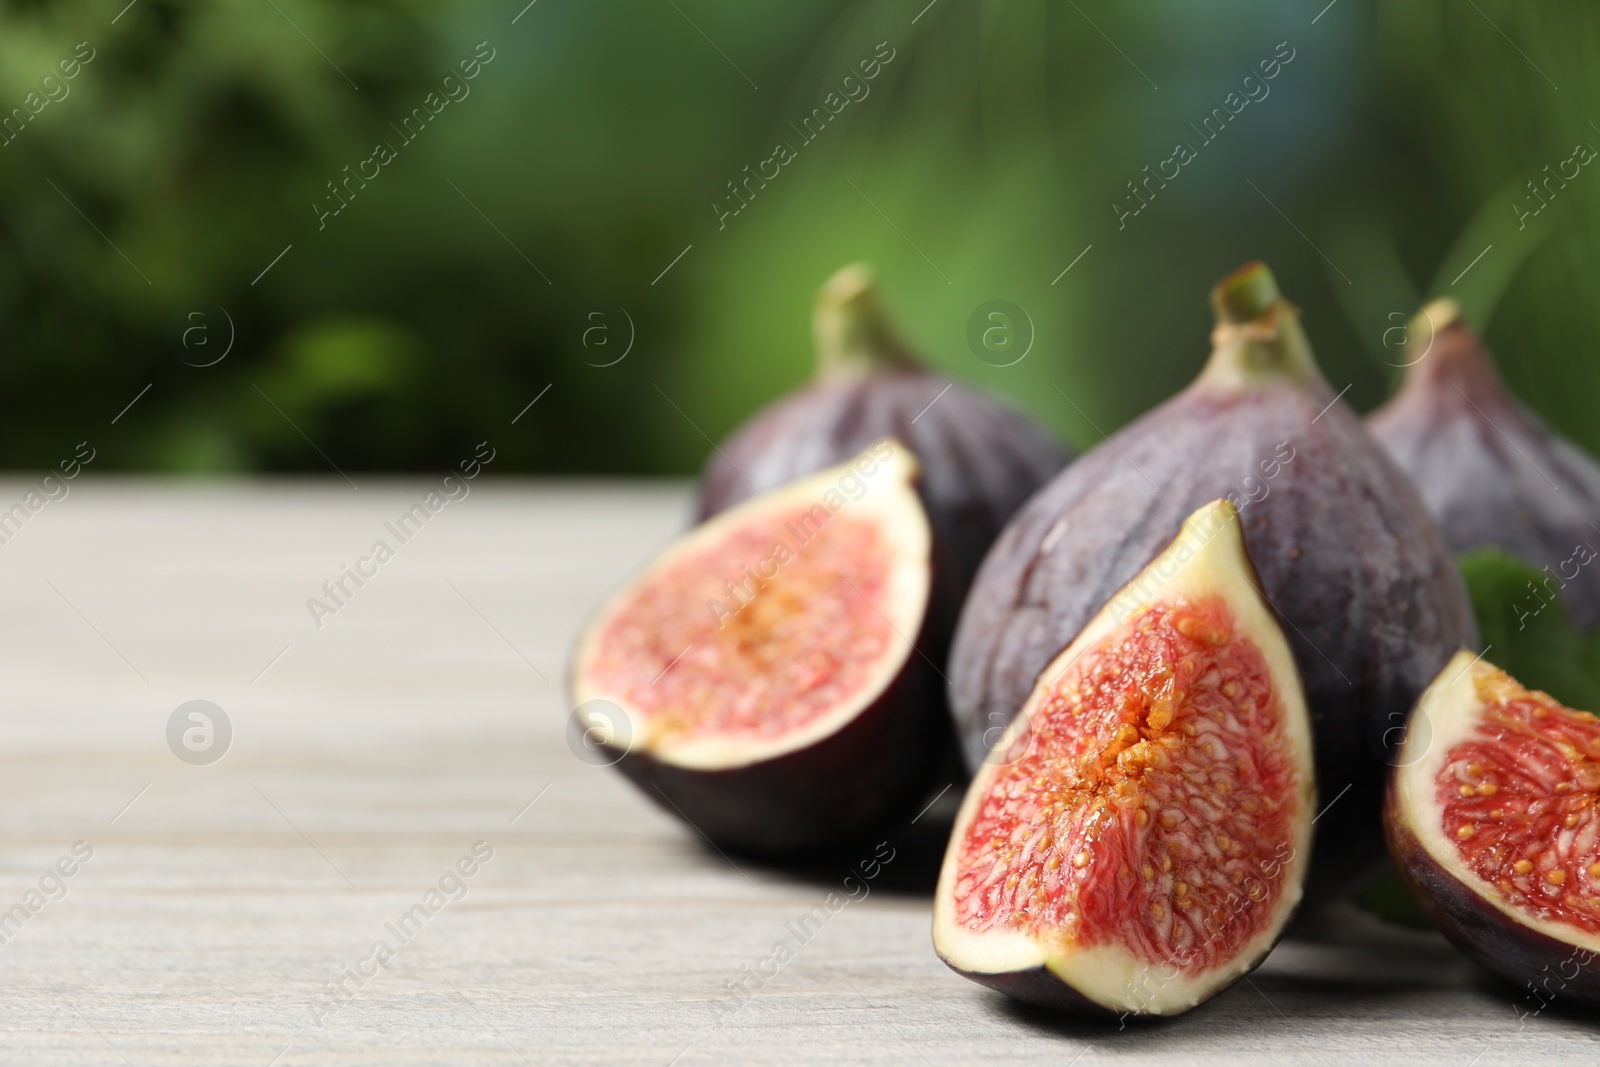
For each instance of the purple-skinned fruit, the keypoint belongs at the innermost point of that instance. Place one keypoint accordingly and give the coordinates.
(1349, 560)
(980, 457)
(1490, 471)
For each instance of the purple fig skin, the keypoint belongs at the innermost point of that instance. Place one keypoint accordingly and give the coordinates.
(980, 458)
(1042, 988)
(1490, 472)
(1485, 934)
(1039, 987)
(865, 775)
(1370, 598)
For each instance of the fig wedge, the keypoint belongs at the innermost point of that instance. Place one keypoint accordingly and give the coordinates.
(1492, 820)
(760, 677)
(1140, 837)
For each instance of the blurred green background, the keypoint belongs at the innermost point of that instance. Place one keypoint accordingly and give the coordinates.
(161, 181)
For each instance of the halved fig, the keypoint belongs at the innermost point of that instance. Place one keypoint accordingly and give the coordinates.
(1489, 469)
(981, 458)
(1139, 838)
(1492, 820)
(763, 667)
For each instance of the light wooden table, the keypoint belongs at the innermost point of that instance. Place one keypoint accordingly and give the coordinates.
(425, 715)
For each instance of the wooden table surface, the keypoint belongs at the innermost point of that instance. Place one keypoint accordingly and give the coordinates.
(221, 903)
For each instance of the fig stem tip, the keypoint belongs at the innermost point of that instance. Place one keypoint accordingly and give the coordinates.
(848, 285)
(852, 331)
(1438, 314)
(1246, 294)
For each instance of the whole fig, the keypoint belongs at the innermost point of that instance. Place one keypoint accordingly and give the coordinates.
(980, 458)
(1365, 587)
(1490, 472)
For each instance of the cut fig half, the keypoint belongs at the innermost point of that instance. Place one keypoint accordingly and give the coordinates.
(1138, 839)
(763, 668)
(1492, 820)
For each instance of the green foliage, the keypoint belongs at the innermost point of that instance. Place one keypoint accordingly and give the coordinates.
(158, 182)
(1474, 90)
(1527, 631)
(1390, 900)
(456, 286)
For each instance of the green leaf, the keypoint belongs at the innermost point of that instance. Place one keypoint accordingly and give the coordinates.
(1526, 629)
(1391, 901)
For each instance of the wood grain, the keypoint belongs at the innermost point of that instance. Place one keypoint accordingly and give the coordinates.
(423, 716)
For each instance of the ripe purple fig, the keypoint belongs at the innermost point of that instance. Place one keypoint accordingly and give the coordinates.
(1490, 471)
(980, 458)
(1348, 558)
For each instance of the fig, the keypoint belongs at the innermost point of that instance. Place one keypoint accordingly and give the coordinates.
(770, 677)
(1492, 821)
(1367, 591)
(1141, 836)
(980, 458)
(1490, 471)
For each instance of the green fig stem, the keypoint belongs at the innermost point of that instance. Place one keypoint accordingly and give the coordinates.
(1432, 346)
(1258, 335)
(1434, 316)
(1421, 341)
(853, 333)
(1443, 352)
(1246, 294)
